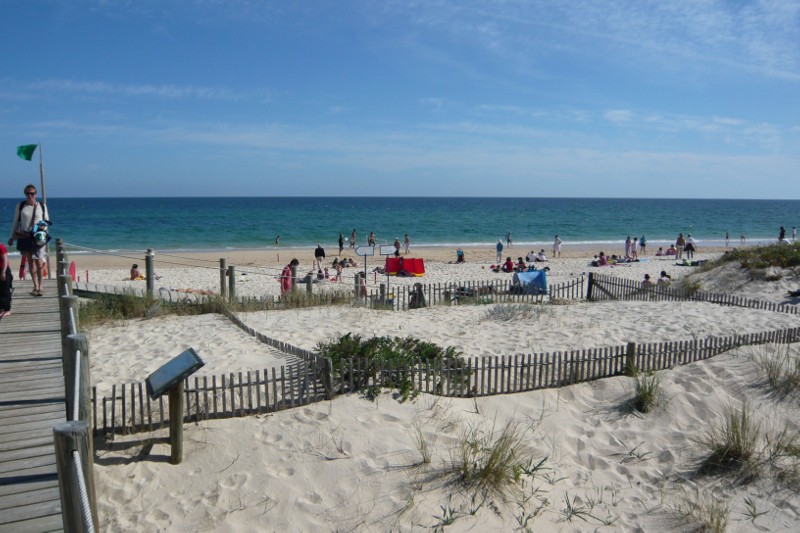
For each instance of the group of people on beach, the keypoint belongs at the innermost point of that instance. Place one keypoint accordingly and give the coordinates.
(29, 230)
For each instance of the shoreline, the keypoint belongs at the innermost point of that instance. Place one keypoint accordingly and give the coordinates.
(280, 256)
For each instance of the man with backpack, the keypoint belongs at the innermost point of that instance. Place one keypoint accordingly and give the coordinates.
(26, 221)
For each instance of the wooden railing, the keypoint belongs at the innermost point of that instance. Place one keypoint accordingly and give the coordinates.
(74, 445)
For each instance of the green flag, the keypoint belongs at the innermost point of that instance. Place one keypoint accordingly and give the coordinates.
(26, 151)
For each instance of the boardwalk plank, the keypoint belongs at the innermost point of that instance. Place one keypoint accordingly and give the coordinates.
(31, 403)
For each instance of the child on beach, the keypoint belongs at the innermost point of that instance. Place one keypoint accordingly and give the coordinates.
(5, 282)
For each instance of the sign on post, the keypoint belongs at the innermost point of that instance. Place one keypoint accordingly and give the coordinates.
(169, 378)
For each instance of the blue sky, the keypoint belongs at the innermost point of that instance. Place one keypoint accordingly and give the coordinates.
(638, 98)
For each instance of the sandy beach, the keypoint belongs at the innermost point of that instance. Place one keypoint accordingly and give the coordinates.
(352, 464)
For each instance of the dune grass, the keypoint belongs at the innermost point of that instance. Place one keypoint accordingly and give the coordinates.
(732, 443)
(646, 391)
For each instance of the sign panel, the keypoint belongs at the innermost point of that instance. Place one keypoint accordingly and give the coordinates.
(173, 372)
(387, 249)
(365, 251)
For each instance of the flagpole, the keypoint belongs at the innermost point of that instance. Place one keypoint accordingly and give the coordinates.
(44, 202)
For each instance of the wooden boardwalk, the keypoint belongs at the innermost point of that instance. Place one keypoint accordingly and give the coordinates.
(31, 403)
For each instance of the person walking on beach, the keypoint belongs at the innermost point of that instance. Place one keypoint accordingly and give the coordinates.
(277, 240)
(690, 247)
(556, 247)
(781, 234)
(741, 239)
(371, 239)
(26, 216)
(341, 243)
(286, 277)
(6, 279)
(406, 244)
(643, 245)
(319, 255)
(396, 247)
(499, 249)
(680, 244)
(508, 240)
(353, 238)
(794, 233)
(727, 240)
(628, 253)
(634, 248)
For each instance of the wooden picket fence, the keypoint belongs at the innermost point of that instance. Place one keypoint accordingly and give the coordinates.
(601, 287)
(129, 409)
(399, 297)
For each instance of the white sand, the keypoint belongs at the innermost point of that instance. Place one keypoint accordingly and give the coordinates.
(352, 464)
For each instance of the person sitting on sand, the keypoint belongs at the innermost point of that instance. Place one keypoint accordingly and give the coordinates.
(646, 282)
(602, 260)
(660, 251)
(460, 258)
(672, 250)
(135, 274)
(541, 257)
(521, 266)
(508, 266)
(665, 278)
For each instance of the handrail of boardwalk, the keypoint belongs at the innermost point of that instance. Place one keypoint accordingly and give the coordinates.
(73, 439)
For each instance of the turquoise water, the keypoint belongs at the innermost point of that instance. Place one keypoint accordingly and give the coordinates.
(126, 224)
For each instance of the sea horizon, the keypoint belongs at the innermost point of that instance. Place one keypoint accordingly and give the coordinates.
(185, 223)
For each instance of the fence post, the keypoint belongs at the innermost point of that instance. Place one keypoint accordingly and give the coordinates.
(327, 377)
(223, 271)
(69, 437)
(69, 312)
(589, 286)
(630, 359)
(78, 343)
(309, 280)
(231, 283)
(149, 274)
(293, 268)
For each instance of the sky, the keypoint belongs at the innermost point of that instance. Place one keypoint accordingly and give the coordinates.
(632, 98)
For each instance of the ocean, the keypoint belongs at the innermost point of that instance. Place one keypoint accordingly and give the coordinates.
(136, 224)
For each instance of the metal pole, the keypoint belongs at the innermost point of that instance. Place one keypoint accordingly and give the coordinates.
(44, 201)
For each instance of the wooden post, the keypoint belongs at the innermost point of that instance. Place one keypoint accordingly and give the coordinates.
(69, 436)
(149, 274)
(176, 423)
(78, 343)
(309, 281)
(327, 377)
(231, 283)
(630, 359)
(589, 287)
(223, 271)
(293, 268)
(382, 289)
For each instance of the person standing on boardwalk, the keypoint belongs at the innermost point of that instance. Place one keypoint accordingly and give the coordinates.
(341, 243)
(6, 279)
(556, 247)
(286, 277)
(26, 216)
